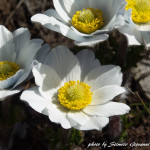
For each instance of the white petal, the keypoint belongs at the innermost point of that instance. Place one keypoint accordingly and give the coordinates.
(27, 54)
(134, 36)
(109, 8)
(12, 80)
(6, 36)
(104, 75)
(65, 8)
(57, 114)
(65, 63)
(146, 38)
(54, 13)
(7, 47)
(59, 6)
(122, 10)
(42, 53)
(47, 79)
(58, 26)
(37, 75)
(44, 106)
(116, 22)
(34, 99)
(87, 62)
(128, 18)
(38, 41)
(143, 27)
(5, 93)
(78, 116)
(23, 77)
(69, 7)
(105, 94)
(21, 38)
(107, 110)
(95, 123)
(91, 41)
(80, 33)
(25, 48)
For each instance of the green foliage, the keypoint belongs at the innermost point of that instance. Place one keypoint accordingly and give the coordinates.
(123, 136)
(56, 138)
(75, 137)
(137, 116)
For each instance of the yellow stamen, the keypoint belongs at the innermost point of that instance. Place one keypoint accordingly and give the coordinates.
(140, 10)
(88, 20)
(75, 95)
(7, 69)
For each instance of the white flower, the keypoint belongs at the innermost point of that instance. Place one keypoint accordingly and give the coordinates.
(17, 52)
(87, 27)
(137, 27)
(75, 90)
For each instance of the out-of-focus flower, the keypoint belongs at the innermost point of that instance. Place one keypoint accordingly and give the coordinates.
(75, 91)
(17, 52)
(137, 27)
(87, 22)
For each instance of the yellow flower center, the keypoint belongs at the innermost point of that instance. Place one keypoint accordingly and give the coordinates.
(75, 95)
(88, 20)
(140, 10)
(7, 69)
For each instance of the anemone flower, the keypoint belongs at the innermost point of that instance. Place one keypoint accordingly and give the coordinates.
(75, 91)
(137, 26)
(87, 22)
(17, 52)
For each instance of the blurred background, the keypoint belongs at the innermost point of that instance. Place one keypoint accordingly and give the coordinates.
(21, 128)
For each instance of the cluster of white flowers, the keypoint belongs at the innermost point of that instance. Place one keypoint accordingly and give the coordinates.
(131, 17)
(72, 90)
